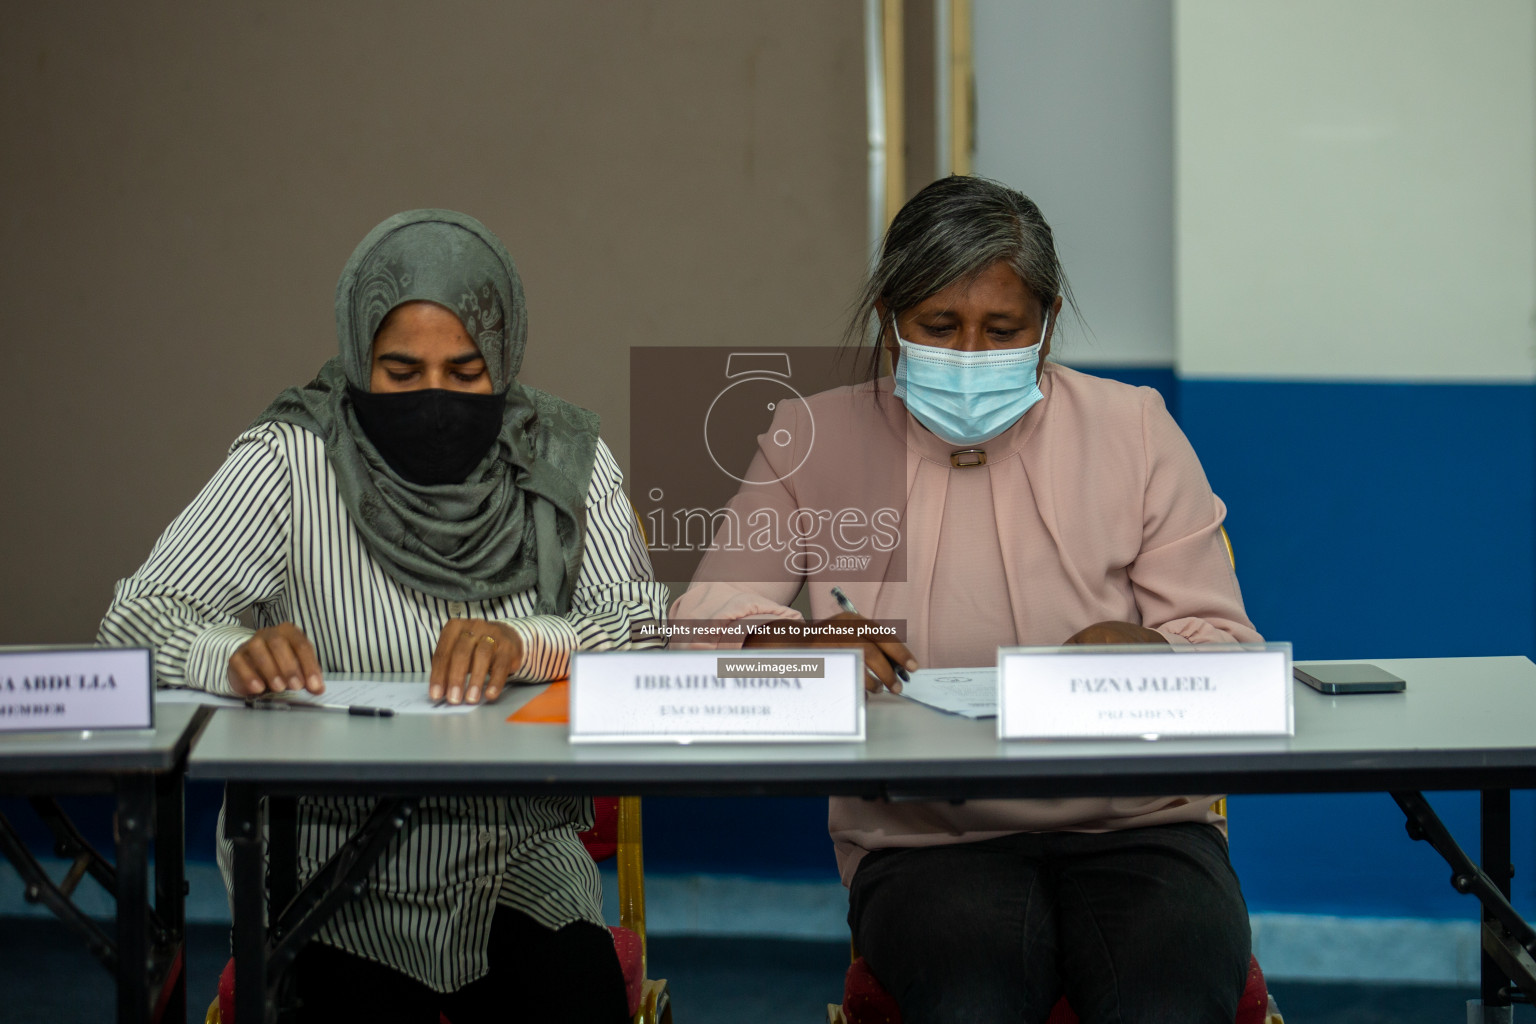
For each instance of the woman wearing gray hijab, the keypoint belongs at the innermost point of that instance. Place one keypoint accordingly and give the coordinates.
(415, 508)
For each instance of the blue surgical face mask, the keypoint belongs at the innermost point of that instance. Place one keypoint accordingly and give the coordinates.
(968, 397)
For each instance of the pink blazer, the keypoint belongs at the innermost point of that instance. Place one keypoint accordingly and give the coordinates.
(1100, 509)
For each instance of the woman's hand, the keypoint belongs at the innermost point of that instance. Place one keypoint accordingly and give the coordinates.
(880, 656)
(277, 658)
(474, 656)
(1116, 633)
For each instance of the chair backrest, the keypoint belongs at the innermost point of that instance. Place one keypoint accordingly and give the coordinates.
(616, 832)
(1220, 806)
(632, 873)
(602, 839)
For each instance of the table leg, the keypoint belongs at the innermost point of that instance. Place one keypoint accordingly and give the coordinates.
(282, 851)
(171, 891)
(341, 879)
(244, 826)
(135, 832)
(40, 888)
(1494, 814)
(1508, 940)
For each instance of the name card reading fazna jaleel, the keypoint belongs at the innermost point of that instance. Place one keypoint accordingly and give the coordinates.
(66, 688)
(1145, 691)
(779, 695)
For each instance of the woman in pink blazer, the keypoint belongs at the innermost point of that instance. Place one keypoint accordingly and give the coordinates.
(989, 498)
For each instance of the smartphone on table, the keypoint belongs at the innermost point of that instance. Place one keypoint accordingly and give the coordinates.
(1345, 677)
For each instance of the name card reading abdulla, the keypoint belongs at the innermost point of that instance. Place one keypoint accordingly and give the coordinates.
(772, 696)
(1144, 691)
(53, 688)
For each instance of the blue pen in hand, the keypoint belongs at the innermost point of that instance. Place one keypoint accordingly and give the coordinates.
(847, 606)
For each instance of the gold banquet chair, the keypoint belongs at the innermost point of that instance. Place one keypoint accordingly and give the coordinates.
(655, 1001)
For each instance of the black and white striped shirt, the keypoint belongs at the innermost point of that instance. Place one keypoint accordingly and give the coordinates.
(270, 533)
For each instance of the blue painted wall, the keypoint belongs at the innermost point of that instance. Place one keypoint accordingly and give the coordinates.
(1376, 518)
(1373, 520)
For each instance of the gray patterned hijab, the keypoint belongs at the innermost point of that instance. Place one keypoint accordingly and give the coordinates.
(517, 522)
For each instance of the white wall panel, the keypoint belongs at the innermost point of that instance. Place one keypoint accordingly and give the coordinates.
(1356, 189)
(1074, 108)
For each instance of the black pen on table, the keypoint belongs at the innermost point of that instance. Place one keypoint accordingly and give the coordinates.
(847, 606)
(360, 710)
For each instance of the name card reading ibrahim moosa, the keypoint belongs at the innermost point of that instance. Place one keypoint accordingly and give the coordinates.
(1147, 692)
(53, 688)
(776, 696)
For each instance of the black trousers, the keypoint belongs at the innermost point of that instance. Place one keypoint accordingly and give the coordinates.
(535, 975)
(1145, 925)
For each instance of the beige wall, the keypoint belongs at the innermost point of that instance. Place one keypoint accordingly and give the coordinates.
(183, 181)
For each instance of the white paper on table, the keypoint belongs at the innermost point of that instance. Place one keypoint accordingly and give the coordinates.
(401, 697)
(969, 692)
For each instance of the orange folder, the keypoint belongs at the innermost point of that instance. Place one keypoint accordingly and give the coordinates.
(552, 707)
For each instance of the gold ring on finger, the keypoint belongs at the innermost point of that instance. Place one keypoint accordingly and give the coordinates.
(489, 639)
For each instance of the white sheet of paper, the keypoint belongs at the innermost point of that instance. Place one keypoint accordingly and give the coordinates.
(402, 697)
(970, 692)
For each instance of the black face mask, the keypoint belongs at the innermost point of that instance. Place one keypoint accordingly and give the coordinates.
(433, 436)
